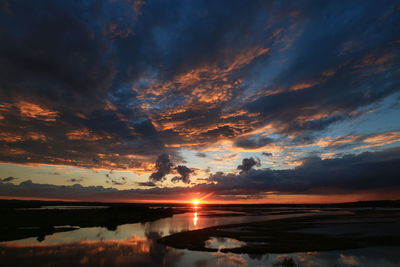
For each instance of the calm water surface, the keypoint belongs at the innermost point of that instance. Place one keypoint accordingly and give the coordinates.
(136, 245)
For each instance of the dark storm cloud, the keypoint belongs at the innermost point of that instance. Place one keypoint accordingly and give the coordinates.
(97, 83)
(366, 171)
(184, 173)
(56, 68)
(248, 164)
(330, 78)
(77, 191)
(67, 59)
(163, 167)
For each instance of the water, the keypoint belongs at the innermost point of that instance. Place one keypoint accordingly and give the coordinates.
(224, 242)
(136, 245)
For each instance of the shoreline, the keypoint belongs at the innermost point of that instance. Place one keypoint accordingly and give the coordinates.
(18, 224)
(296, 234)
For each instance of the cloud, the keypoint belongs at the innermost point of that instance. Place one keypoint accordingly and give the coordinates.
(360, 141)
(148, 184)
(184, 173)
(76, 180)
(349, 173)
(248, 164)
(201, 155)
(117, 180)
(82, 134)
(252, 142)
(108, 175)
(92, 193)
(163, 167)
(379, 139)
(226, 157)
(104, 89)
(267, 154)
(7, 179)
(370, 172)
(110, 179)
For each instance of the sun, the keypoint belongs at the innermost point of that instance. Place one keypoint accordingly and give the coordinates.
(196, 202)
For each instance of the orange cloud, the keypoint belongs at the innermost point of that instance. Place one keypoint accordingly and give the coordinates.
(328, 73)
(374, 140)
(245, 58)
(374, 59)
(36, 136)
(178, 145)
(312, 117)
(240, 114)
(33, 111)
(331, 142)
(82, 134)
(204, 87)
(374, 63)
(205, 84)
(380, 139)
(12, 138)
(304, 85)
(14, 151)
(5, 106)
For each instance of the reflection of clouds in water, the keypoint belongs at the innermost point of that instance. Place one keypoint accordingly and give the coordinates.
(230, 259)
(349, 260)
(223, 242)
(368, 257)
(136, 245)
(200, 263)
(136, 251)
(145, 251)
(89, 233)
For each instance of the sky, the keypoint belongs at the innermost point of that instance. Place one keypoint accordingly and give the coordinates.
(224, 101)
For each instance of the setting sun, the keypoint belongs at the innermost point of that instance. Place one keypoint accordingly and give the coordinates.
(196, 202)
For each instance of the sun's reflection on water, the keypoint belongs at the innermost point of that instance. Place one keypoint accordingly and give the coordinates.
(195, 219)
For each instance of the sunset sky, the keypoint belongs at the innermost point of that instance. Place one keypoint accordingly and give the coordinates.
(224, 101)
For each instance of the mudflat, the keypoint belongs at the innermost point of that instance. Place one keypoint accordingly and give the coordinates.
(355, 229)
